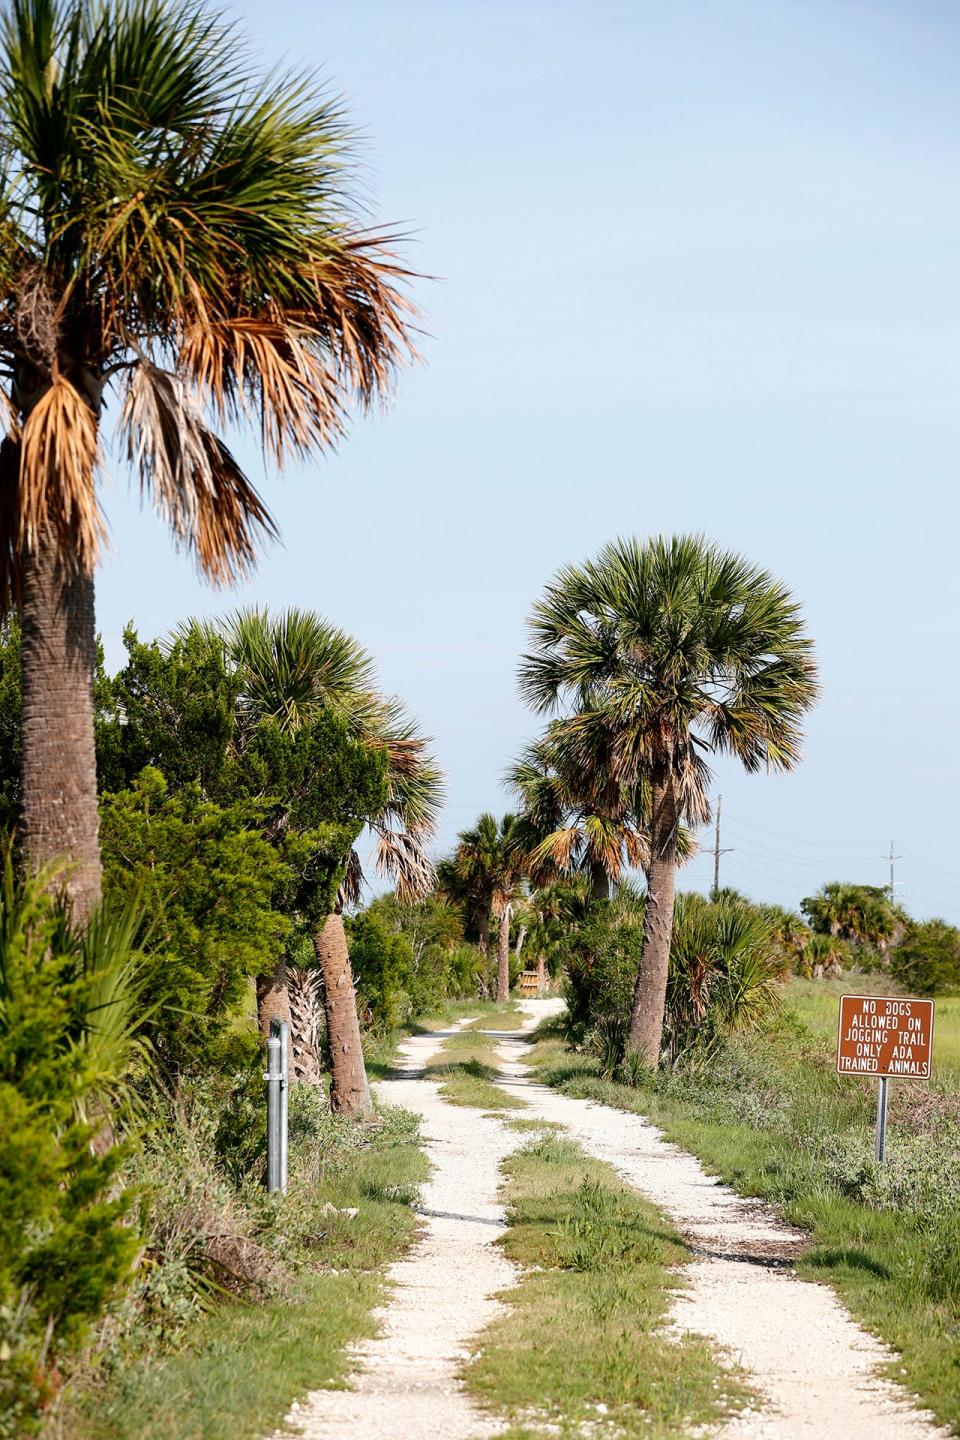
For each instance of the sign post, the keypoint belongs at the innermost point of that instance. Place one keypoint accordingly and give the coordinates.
(277, 1078)
(884, 1035)
(880, 1143)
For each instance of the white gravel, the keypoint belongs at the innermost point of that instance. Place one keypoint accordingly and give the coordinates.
(815, 1368)
(404, 1385)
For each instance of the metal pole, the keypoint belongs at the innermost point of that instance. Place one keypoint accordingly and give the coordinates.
(284, 1096)
(716, 849)
(880, 1146)
(276, 1077)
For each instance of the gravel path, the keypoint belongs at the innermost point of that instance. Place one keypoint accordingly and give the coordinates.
(405, 1383)
(813, 1367)
(816, 1368)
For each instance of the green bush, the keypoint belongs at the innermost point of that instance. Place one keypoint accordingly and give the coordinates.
(382, 963)
(206, 882)
(408, 959)
(724, 961)
(68, 1020)
(927, 960)
(603, 957)
(724, 964)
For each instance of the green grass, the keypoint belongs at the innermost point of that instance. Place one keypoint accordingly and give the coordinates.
(816, 1003)
(467, 1064)
(584, 1327)
(380, 1051)
(772, 1118)
(236, 1371)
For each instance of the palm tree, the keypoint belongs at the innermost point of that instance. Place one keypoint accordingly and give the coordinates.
(487, 870)
(176, 230)
(573, 822)
(656, 654)
(293, 666)
(580, 821)
(554, 911)
(864, 914)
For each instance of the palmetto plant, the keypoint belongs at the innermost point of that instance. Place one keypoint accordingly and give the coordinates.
(176, 232)
(724, 965)
(292, 666)
(577, 820)
(864, 914)
(295, 663)
(656, 654)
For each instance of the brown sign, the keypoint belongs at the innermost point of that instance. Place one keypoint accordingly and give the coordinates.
(885, 1035)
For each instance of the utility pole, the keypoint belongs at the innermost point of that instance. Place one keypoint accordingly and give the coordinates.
(893, 873)
(717, 852)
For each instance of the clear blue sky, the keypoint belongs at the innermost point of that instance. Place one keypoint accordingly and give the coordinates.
(698, 267)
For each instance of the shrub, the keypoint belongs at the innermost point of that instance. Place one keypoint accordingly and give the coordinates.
(602, 960)
(382, 962)
(68, 1008)
(927, 960)
(206, 883)
(724, 962)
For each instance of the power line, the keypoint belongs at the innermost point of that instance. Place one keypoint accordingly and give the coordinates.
(795, 840)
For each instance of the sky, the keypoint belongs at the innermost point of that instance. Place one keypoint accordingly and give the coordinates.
(688, 267)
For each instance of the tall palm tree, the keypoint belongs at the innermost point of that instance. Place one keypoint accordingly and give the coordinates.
(177, 231)
(488, 869)
(655, 654)
(292, 666)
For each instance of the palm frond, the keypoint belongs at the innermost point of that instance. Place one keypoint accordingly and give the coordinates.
(193, 479)
(56, 494)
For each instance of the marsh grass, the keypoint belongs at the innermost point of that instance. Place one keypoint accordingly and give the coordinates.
(771, 1117)
(582, 1348)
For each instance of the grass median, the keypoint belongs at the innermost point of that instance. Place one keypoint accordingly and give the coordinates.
(467, 1066)
(582, 1348)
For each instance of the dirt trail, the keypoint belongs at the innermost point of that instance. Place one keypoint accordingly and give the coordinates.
(815, 1367)
(405, 1383)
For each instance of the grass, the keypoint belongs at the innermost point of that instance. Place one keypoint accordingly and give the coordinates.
(815, 1003)
(772, 1118)
(582, 1348)
(237, 1369)
(467, 1065)
(380, 1051)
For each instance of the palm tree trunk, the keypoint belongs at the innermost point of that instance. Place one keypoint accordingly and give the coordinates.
(304, 994)
(60, 821)
(503, 957)
(273, 1000)
(650, 992)
(481, 918)
(599, 881)
(541, 973)
(349, 1091)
